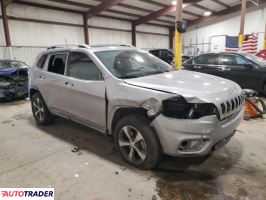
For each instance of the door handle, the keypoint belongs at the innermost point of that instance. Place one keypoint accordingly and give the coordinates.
(69, 84)
(41, 77)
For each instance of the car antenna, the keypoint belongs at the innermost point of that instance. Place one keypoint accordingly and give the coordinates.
(66, 41)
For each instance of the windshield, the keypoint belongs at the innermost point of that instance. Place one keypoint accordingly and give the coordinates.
(255, 59)
(4, 65)
(132, 63)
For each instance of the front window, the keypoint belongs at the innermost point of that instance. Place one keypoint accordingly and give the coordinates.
(132, 63)
(257, 60)
(210, 59)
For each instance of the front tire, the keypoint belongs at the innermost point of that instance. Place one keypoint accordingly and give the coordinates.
(40, 110)
(137, 142)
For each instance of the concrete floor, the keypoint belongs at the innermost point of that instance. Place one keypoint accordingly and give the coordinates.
(32, 156)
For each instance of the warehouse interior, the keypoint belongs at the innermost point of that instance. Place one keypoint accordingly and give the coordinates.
(210, 52)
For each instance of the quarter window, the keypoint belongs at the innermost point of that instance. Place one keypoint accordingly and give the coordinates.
(41, 61)
(57, 63)
(233, 60)
(81, 66)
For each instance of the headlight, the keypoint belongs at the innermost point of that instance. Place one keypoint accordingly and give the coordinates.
(4, 84)
(153, 106)
(178, 108)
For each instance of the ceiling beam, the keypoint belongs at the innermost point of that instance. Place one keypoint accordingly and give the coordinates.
(46, 6)
(162, 12)
(192, 14)
(37, 5)
(7, 2)
(105, 5)
(221, 3)
(72, 3)
(218, 14)
(203, 8)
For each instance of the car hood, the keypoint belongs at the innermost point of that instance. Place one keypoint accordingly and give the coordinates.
(12, 71)
(195, 87)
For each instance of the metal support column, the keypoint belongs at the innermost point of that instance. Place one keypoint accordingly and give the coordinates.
(178, 36)
(264, 42)
(85, 27)
(6, 28)
(171, 37)
(242, 23)
(133, 32)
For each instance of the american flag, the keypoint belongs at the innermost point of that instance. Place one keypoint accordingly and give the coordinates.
(231, 43)
(250, 43)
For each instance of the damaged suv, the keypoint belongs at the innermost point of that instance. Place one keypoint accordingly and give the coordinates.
(142, 102)
(13, 79)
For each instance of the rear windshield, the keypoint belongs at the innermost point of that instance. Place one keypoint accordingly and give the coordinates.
(4, 65)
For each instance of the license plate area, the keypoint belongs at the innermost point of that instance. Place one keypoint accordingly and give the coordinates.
(222, 142)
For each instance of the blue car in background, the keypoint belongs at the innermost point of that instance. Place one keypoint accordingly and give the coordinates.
(13, 79)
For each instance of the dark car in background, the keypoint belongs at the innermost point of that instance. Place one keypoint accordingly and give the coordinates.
(167, 55)
(13, 79)
(262, 54)
(164, 54)
(245, 69)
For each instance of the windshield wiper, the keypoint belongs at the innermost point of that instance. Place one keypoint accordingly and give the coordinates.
(128, 76)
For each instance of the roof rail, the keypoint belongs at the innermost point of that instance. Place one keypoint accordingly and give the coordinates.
(69, 45)
(111, 45)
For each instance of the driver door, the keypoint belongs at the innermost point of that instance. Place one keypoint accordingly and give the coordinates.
(85, 91)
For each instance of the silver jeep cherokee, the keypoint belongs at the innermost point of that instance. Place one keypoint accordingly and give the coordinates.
(139, 100)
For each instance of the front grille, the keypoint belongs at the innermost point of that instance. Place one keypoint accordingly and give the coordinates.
(232, 105)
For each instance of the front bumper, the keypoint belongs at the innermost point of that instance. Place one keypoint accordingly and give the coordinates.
(204, 132)
(14, 92)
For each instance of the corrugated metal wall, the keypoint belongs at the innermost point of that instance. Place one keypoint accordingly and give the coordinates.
(26, 34)
(227, 25)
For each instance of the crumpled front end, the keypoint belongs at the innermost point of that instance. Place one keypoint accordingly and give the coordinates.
(14, 85)
(195, 137)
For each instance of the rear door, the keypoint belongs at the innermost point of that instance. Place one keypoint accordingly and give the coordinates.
(207, 63)
(85, 91)
(51, 82)
(241, 71)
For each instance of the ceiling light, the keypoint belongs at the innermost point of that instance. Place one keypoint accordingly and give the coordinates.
(173, 3)
(207, 13)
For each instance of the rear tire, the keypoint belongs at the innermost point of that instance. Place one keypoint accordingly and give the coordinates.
(137, 142)
(40, 110)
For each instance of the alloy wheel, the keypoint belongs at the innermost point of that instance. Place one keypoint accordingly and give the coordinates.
(132, 144)
(38, 109)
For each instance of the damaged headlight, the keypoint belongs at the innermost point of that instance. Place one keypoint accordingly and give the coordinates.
(179, 108)
(153, 106)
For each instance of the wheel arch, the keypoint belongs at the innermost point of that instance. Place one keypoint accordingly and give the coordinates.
(32, 91)
(125, 111)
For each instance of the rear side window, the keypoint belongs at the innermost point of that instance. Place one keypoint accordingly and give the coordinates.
(233, 60)
(41, 61)
(81, 66)
(57, 63)
(209, 59)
